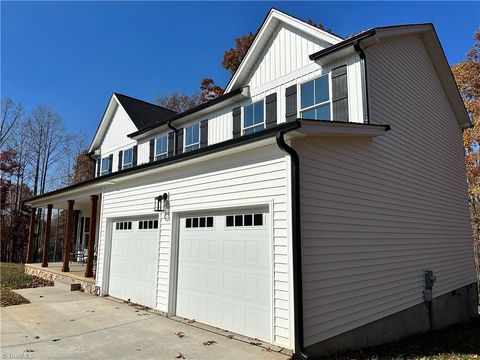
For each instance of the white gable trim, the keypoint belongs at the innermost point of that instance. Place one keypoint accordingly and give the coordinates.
(107, 117)
(269, 25)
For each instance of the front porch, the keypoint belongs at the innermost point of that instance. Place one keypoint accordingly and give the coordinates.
(54, 272)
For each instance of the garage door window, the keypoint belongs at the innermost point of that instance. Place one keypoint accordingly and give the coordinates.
(123, 225)
(199, 222)
(147, 224)
(245, 220)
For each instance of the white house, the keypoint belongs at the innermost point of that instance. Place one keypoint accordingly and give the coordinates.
(319, 204)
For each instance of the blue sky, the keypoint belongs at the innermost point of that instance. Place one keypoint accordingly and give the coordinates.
(72, 55)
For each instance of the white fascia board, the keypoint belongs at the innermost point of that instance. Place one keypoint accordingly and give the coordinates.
(331, 129)
(273, 19)
(104, 122)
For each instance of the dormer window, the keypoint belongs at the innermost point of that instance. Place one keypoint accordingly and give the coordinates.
(315, 99)
(105, 166)
(161, 147)
(127, 161)
(192, 137)
(253, 117)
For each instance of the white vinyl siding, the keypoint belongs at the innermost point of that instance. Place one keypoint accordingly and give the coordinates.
(116, 135)
(246, 177)
(377, 213)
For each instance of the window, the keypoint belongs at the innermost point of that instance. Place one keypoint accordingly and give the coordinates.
(147, 224)
(253, 118)
(246, 220)
(123, 225)
(127, 161)
(161, 147)
(315, 99)
(192, 137)
(105, 168)
(199, 222)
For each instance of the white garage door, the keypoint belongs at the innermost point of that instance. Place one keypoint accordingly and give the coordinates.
(224, 271)
(133, 264)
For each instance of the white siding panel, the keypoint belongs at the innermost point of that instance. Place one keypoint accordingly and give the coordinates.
(116, 134)
(376, 213)
(246, 177)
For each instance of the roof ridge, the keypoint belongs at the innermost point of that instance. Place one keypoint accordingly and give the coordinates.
(146, 102)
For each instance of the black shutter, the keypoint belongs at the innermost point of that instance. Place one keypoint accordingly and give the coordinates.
(340, 93)
(135, 154)
(291, 103)
(120, 158)
(203, 133)
(237, 122)
(110, 163)
(171, 144)
(180, 141)
(99, 164)
(271, 110)
(152, 150)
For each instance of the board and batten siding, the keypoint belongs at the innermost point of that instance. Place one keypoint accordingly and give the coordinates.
(378, 212)
(252, 176)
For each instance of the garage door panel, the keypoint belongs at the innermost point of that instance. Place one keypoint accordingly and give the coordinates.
(133, 263)
(224, 275)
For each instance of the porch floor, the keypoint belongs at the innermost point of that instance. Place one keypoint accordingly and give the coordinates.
(54, 271)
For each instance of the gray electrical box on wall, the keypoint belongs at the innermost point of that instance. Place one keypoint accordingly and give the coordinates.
(429, 280)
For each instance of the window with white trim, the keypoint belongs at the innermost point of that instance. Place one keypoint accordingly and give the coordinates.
(253, 117)
(315, 101)
(127, 161)
(161, 147)
(192, 137)
(105, 166)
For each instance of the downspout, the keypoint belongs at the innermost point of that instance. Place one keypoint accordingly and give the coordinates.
(175, 130)
(299, 352)
(361, 54)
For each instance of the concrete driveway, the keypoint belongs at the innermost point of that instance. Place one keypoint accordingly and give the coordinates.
(60, 324)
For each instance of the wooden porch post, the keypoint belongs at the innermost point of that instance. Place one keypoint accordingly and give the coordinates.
(31, 234)
(68, 237)
(46, 241)
(91, 236)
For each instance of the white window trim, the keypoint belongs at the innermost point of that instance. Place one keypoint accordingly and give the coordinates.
(164, 154)
(253, 126)
(104, 172)
(299, 96)
(127, 165)
(185, 146)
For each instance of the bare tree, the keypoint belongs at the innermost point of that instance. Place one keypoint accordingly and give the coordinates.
(11, 113)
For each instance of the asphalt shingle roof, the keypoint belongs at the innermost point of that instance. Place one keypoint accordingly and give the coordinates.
(144, 114)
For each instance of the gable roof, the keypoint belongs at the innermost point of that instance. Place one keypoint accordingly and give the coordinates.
(143, 113)
(268, 27)
(432, 44)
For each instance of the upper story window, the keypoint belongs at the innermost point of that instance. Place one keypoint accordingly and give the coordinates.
(192, 137)
(105, 166)
(161, 147)
(127, 161)
(315, 99)
(253, 117)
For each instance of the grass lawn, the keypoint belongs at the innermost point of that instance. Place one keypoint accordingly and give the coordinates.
(13, 277)
(457, 342)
